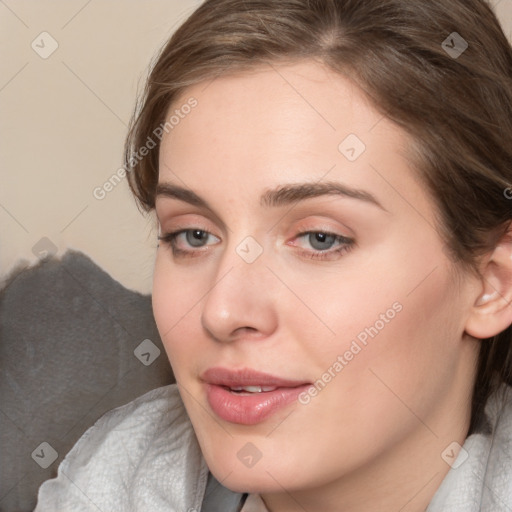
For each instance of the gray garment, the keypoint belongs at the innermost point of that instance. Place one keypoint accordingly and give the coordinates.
(483, 480)
(145, 456)
(217, 498)
(68, 335)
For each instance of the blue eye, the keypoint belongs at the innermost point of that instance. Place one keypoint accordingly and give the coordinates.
(322, 243)
(195, 237)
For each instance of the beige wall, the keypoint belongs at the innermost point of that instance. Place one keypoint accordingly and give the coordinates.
(63, 120)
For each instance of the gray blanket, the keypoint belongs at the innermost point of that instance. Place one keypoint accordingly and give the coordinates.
(70, 350)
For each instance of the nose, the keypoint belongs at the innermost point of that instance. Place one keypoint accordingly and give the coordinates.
(242, 299)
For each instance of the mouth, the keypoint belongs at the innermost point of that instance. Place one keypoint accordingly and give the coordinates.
(249, 390)
(248, 397)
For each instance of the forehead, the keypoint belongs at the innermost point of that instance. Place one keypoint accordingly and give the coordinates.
(285, 123)
(277, 106)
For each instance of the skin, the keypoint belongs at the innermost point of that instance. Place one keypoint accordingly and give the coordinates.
(372, 439)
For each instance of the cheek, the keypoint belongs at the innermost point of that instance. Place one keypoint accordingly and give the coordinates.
(366, 298)
(392, 341)
(386, 315)
(176, 302)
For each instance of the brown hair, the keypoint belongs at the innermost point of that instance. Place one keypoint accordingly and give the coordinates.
(457, 108)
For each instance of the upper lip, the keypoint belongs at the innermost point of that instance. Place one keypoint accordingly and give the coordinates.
(246, 377)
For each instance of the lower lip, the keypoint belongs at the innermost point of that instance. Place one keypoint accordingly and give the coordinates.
(250, 409)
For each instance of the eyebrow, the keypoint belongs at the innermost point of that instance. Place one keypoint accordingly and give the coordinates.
(282, 195)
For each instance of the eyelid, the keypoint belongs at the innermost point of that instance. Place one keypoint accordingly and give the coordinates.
(328, 232)
(321, 225)
(185, 222)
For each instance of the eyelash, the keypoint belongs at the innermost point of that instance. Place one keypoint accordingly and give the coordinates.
(347, 244)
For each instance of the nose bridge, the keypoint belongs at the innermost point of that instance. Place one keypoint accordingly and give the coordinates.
(244, 260)
(241, 295)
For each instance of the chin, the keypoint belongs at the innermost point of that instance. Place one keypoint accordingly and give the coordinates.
(249, 481)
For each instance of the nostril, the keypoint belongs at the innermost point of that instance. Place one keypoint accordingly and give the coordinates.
(246, 331)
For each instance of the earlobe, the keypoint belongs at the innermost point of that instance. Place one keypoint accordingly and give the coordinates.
(491, 312)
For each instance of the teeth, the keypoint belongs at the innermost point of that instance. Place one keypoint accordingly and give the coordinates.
(254, 389)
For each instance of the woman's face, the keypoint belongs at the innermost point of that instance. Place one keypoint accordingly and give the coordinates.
(311, 257)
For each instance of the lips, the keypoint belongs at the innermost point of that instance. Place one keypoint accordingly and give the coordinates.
(247, 396)
(246, 377)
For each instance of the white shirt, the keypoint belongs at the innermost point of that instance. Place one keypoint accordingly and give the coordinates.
(144, 457)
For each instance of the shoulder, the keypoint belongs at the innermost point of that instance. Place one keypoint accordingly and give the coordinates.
(157, 411)
(141, 456)
(481, 475)
(497, 477)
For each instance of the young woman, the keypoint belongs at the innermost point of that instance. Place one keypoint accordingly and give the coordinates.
(332, 182)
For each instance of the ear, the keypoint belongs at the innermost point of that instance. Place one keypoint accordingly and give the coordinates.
(491, 312)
